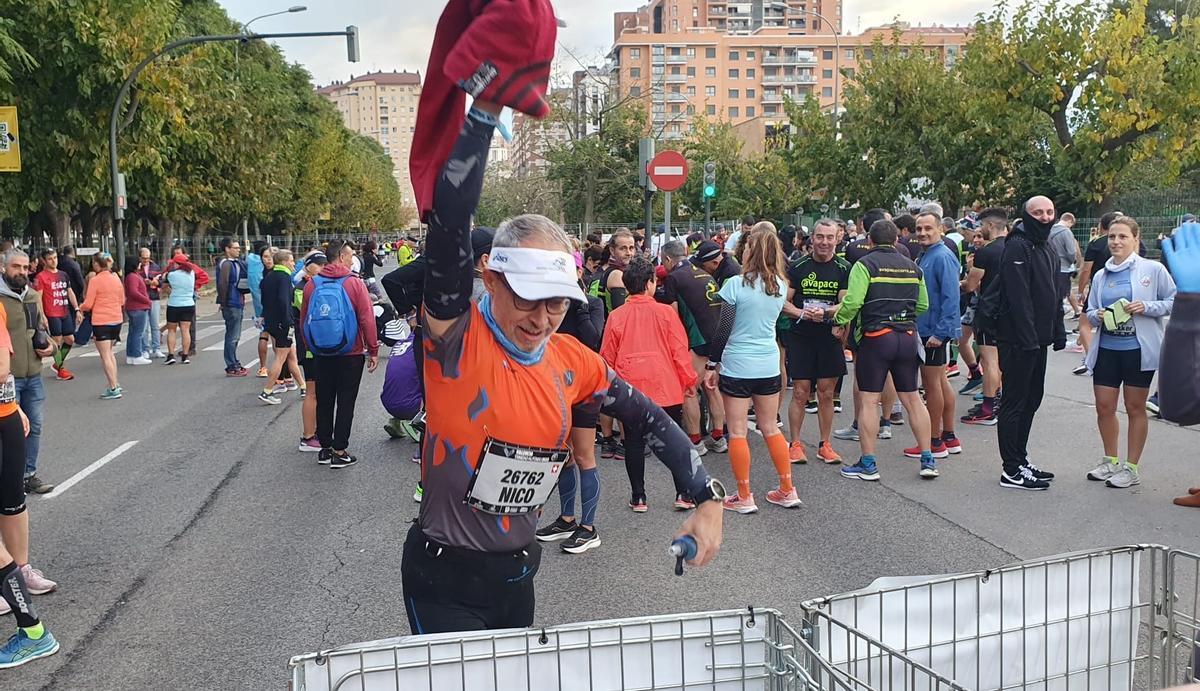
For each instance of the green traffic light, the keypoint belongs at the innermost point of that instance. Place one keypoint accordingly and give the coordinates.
(710, 190)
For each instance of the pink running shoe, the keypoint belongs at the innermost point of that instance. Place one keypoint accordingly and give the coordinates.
(789, 500)
(736, 503)
(36, 581)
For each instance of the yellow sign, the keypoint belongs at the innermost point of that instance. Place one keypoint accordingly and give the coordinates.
(10, 147)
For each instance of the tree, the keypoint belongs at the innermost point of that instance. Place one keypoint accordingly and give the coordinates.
(505, 196)
(1113, 91)
(598, 174)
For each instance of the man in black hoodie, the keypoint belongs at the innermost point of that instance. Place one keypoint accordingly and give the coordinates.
(1029, 319)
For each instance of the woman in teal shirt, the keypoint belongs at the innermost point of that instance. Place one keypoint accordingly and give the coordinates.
(744, 362)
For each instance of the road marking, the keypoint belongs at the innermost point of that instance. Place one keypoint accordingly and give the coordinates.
(247, 335)
(251, 364)
(78, 477)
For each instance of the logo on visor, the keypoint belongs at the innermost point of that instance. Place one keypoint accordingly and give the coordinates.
(560, 264)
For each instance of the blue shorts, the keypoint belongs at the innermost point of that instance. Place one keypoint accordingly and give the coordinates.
(62, 326)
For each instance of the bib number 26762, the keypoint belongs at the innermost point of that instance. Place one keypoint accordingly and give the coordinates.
(512, 479)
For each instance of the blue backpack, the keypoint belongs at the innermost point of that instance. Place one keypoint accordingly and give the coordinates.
(332, 326)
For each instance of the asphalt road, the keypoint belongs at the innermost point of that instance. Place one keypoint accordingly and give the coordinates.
(210, 551)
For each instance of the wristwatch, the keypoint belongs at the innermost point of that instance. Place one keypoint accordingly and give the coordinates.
(713, 491)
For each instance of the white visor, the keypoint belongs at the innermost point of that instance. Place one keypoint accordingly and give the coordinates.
(537, 274)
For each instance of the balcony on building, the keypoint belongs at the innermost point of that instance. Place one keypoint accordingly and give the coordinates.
(677, 78)
(790, 57)
(677, 98)
(677, 59)
(794, 78)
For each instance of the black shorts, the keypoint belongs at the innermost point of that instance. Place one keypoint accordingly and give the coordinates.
(582, 418)
(448, 589)
(701, 350)
(12, 465)
(281, 337)
(106, 332)
(1116, 367)
(894, 352)
(745, 388)
(937, 356)
(309, 366)
(178, 315)
(985, 338)
(1062, 284)
(62, 326)
(814, 356)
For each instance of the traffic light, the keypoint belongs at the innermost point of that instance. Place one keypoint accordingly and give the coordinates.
(710, 180)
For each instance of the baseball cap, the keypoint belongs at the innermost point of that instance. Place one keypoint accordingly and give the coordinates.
(481, 241)
(537, 274)
(707, 251)
(316, 258)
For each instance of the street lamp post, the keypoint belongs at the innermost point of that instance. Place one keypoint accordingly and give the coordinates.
(837, 61)
(118, 187)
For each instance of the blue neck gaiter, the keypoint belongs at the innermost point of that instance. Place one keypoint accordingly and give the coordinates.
(527, 359)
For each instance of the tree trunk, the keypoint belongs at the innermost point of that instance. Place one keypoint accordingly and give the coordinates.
(200, 252)
(166, 239)
(59, 223)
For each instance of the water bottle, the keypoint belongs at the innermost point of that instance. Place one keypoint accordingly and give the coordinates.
(683, 549)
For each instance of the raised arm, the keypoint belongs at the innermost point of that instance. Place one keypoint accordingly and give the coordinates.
(449, 268)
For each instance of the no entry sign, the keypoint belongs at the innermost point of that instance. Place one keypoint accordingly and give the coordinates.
(668, 170)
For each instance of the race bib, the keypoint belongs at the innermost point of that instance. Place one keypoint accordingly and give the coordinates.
(514, 480)
(8, 391)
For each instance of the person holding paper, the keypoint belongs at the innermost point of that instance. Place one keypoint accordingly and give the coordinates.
(1129, 299)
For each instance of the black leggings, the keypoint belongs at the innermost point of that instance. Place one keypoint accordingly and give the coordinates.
(337, 389)
(635, 453)
(12, 465)
(448, 589)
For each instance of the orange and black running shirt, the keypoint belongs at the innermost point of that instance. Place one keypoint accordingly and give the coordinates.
(10, 407)
(474, 391)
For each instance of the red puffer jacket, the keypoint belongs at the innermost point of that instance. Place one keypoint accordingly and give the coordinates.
(644, 342)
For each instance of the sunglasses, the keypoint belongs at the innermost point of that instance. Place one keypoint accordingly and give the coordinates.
(555, 306)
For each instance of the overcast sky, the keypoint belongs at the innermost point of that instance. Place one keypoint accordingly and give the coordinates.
(396, 34)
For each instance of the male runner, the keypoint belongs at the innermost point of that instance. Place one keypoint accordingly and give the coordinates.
(818, 284)
(985, 269)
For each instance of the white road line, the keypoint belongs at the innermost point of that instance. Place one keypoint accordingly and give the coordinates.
(78, 477)
(247, 335)
(251, 364)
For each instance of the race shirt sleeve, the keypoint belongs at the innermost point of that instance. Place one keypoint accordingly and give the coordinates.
(856, 294)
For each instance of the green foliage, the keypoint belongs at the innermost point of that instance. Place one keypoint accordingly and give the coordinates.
(210, 135)
(598, 174)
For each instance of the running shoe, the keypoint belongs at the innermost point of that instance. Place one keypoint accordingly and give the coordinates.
(290, 384)
(929, 469)
(863, 470)
(279, 388)
(342, 460)
(394, 428)
(885, 430)
(826, 453)
(581, 541)
(618, 450)
(262, 372)
(848, 356)
(63, 374)
(952, 371)
(310, 445)
(325, 456)
(36, 582)
(796, 453)
(682, 503)
(607, 447)
(811, 407)
(418, 493)
(837, 405)
(410, 430)
(21, 649)
(736, 503)
(269, 398)
(953, 445)
(35, 485)
(1105, 470)
(788, 500)
(187, 360)
(1024, 479)
(158, 354)
(938, 449)
(416, 455)
(1152, 404)
(972, 385)
(1075, 348)
(638, 504)
(896, 418)
(719, 445)
(303, 392)
(235, 372)
(700, 447)
(1080, 370)
(847, 433)
(136, 361)
(170, 359)
(556, 531)
(110, 394)
(976, 416)
(1039, 473)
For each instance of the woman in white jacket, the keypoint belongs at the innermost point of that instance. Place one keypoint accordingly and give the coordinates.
(1129, 300)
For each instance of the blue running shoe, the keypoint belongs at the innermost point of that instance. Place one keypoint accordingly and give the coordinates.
(929, 468)
(978, 397)
(973, 384)
(863, 470)
(21, 649)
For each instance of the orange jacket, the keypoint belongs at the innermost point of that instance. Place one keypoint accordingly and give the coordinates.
(644, 342)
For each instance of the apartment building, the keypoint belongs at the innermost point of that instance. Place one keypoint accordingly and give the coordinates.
(382, 106)
(532, 138)
(589, 96)
(740, 61)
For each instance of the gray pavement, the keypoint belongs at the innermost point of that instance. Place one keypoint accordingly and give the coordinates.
(211, 551)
